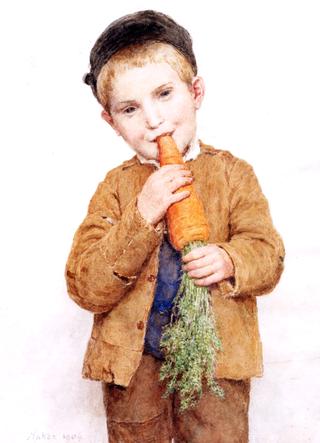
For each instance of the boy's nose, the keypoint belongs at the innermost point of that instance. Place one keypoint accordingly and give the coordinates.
(153, 117)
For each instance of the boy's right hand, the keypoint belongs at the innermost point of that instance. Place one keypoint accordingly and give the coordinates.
(157, 193)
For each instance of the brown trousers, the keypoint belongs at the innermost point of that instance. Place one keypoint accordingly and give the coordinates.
(139, 413)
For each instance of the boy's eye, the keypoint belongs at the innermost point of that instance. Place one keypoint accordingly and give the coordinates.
(165, 93)
(129, 110)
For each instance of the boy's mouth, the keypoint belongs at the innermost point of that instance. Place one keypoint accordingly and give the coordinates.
(161, 135)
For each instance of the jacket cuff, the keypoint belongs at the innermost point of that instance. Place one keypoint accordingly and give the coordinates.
(258, 278)
(230, 287)
(140, 239)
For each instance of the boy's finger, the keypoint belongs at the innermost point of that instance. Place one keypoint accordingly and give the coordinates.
(170, 176)
(168, 168)
(202, 272)
(177, 182)
(174, 165)
(201, 262)
(195, 254)
(177, 196)
(208, 281)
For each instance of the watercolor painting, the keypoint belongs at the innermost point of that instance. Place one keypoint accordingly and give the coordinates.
(158, 154)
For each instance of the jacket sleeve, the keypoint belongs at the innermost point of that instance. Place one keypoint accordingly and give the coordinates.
(108, 251)
(255, 247)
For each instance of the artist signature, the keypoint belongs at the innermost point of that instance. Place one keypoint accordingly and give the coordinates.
(58, 437)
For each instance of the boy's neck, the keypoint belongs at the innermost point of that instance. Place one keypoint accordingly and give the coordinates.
(191, 153)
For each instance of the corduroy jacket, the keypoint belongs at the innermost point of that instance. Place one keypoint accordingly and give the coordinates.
(112, 267)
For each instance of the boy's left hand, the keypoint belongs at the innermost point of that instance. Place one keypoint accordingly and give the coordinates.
(208, 265)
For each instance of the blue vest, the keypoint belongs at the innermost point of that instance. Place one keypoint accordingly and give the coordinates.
(168, 282)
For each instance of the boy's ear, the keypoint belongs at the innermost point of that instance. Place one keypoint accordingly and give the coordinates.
(198, 90)
(108, 118)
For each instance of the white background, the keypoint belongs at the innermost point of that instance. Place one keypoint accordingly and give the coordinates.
(260, 61)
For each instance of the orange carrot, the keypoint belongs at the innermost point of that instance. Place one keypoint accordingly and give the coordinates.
(186, 219)
(192, 327)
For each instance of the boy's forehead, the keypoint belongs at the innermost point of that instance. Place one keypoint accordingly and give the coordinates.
(135, 56)
(134, 81)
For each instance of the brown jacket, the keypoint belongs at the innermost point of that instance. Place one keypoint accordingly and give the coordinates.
(112, 267)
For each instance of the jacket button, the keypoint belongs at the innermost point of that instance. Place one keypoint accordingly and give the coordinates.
(151, 277)
(140, 324)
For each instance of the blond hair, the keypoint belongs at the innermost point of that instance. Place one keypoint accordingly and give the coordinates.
(137, 56)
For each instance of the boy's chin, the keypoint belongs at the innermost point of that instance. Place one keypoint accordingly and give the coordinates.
(150, 154)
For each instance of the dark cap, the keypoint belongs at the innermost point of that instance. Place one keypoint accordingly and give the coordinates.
(137, 28)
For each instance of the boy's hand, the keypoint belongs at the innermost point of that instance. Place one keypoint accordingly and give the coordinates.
(208, 265)
(157, 193)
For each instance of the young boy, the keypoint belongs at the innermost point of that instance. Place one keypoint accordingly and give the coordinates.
(122, 266)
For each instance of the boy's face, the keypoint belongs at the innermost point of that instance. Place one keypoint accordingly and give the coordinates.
(148, 101)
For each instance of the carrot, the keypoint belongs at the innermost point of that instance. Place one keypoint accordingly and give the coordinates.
(186, 219)
(189, 342)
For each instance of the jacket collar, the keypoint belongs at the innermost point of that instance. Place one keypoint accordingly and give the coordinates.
(199, 149)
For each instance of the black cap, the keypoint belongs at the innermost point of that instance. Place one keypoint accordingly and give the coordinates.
(137, 28)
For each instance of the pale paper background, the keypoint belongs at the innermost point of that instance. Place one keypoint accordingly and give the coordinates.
(260, 61)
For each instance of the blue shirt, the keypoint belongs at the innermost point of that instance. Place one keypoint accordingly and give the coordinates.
(167, 285)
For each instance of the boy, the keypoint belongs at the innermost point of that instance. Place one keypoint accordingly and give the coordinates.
(122, 266)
